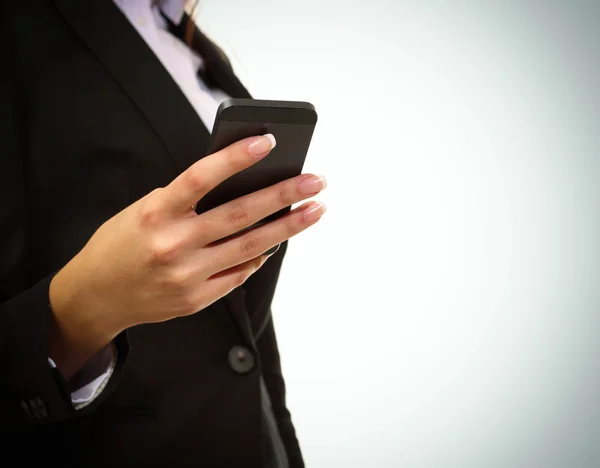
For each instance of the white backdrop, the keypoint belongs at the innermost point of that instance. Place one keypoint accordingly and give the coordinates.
(445, 311)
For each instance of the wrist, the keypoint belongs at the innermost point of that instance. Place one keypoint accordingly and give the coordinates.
(78, 329)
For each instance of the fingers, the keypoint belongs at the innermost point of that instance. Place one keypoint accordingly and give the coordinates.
(253, 243)
(223, 282)
(193, 184)
(242, 213)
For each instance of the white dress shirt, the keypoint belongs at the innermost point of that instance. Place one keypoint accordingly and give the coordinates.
(179, 60)
(182, 64)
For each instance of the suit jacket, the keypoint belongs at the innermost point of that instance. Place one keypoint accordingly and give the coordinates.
(91, 122)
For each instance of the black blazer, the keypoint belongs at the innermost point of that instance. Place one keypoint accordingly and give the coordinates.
(91, 122)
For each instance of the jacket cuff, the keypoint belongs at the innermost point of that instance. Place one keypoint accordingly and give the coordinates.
(31, 391)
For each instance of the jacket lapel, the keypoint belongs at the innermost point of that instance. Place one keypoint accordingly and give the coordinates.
(117, 45)
(105, 31)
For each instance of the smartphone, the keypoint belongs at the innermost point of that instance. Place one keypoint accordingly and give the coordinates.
(292, 123)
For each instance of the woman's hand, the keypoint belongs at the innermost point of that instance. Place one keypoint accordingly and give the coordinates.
(158, 259)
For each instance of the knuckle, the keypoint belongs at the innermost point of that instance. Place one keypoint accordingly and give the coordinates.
(250, 245)
(154, 193)
(238, 215)
(150, 212)
(164, 251)
(178, 280)
(195, 179)
(178, 287)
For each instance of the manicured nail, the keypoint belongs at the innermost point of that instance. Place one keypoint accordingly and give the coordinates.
(312, 184)
(262, 145)
(314, 211)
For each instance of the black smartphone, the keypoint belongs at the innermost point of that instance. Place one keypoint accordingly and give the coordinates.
(292, 123)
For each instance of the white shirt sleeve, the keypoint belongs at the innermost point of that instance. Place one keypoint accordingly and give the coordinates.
(94, 377)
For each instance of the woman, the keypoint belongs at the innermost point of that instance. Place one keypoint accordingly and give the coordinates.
(129, 336)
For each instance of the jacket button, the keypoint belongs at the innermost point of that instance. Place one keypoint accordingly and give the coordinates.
(241, 360)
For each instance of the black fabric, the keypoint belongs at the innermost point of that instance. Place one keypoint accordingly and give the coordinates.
(91, 122)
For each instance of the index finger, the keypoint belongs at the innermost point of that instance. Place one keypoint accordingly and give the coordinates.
(203, 176)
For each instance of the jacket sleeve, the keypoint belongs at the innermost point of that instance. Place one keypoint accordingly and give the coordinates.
(31, 391)
(260, 289)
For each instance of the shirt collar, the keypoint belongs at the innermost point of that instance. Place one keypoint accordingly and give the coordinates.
(172, 9)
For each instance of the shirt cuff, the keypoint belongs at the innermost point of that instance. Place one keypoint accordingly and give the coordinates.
(93, 378)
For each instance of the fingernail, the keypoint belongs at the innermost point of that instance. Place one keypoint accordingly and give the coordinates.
(262, 145)
(314, 211)
(312, 184)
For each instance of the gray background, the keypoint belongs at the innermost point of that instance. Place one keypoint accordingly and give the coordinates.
(445, 312)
